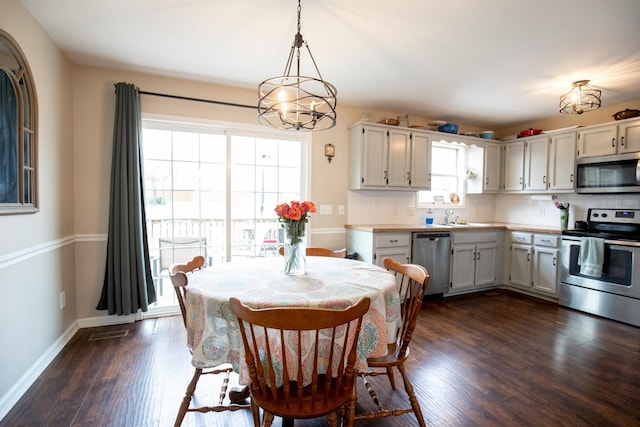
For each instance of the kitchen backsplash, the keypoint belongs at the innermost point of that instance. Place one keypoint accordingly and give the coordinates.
(387, 207)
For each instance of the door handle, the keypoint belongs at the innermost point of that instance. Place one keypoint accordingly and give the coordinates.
(554, 261)
(613, 142)
(477, 256)
(622, 141)
(528, 257)
(571, 178)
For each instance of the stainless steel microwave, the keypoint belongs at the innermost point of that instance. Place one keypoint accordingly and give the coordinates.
(618, 173)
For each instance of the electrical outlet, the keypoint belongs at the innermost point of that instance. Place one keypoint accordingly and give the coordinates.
(340, 209)
(63, 300)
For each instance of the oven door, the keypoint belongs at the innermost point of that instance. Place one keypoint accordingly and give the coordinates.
(618, 272)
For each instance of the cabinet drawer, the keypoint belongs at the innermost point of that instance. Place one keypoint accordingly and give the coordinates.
(392, 240)
(524, 238)
(474, 237)
(544, 240)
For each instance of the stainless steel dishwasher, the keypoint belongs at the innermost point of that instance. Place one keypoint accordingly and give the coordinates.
(433, 251)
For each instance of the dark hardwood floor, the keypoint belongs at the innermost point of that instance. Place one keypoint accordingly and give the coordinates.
(495, 358)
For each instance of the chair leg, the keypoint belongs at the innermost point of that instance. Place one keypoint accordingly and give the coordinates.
(267, 419)
(392, 379)
(255, 411)
(350, 410)
(412, 396)
(332, 419)
(186, 401)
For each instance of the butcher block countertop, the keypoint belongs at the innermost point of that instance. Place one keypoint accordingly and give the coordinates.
(383, 228)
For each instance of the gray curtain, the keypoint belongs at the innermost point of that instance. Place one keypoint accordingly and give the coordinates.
(128, 282)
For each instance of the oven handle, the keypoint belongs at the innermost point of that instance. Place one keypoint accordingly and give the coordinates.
(607, 241)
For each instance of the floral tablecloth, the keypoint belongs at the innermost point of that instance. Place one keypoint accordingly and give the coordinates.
(212, 330)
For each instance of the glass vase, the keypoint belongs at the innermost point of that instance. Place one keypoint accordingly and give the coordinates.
(295, 249)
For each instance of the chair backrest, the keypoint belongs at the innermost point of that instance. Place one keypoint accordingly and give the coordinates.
(300, 337)
(341, 253)
(412, 280)
(179, 280)
(173, 249)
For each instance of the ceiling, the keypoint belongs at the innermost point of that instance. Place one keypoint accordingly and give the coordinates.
(491, 63)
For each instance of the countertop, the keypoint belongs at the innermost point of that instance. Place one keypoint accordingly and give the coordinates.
(409, 228)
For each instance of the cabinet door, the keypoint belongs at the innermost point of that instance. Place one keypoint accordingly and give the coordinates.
(491, 168)
(374, 152)
(535, 163)
(598, 141)
(420, 161)
(545, 270)
(402, 254)
(520, 267)
(463, 266)
(513, 166)
(562, 161)
(629, 134)
(485, 264)
(398, 173)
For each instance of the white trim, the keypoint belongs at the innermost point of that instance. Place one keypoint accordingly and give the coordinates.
(14, 394)
(325, 231)
(107, 320)
(25, 254)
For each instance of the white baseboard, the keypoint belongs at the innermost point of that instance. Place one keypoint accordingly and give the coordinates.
(22, 385)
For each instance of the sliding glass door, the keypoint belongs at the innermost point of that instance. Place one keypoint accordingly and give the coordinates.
(212, 190)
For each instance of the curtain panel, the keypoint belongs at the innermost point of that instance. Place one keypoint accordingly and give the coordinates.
(128, 282)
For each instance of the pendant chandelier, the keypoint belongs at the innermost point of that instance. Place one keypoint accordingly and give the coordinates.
(295, 101)
(580, 99)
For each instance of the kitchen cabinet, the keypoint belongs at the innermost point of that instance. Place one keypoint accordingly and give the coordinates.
(484, 164)
(533, 262)
(514, 166)
(387, 158)
(375, 247)
(562, 161)
(473, 260)
(619, 138)
(536, 156)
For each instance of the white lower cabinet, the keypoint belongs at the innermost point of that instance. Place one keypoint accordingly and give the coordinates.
(375, 247)
(473, 260)
(533, 262)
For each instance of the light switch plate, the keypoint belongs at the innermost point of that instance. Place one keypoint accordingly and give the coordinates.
(326, 209)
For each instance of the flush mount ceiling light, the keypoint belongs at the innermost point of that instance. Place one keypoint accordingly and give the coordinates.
(295, 101)
(580, 99)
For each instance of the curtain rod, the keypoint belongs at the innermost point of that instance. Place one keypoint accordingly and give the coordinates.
(188, 98)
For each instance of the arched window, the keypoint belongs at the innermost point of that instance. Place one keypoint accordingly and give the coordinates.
(18, 131)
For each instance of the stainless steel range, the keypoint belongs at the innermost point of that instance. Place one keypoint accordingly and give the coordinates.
(613, 289)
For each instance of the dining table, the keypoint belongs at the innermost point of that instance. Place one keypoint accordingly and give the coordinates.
(213, 333)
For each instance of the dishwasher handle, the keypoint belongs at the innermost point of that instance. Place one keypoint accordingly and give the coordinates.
(431, 236)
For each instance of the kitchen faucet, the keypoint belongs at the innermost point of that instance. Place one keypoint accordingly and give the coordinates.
(447, 212)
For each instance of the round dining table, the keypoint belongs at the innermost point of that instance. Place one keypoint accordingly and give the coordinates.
(213, 333)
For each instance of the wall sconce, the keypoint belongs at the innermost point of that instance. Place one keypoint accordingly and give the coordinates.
(329, 151)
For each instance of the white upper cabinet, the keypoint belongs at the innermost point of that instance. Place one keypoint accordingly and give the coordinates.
(622, 137)
(514, 166)
(562, 161)
(536, 155)
(388, 158)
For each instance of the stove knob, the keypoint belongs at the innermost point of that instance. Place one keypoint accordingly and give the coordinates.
(596, 215)
(604, 215)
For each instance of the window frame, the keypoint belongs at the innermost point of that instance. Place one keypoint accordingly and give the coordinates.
(460, 175)
(27, 134)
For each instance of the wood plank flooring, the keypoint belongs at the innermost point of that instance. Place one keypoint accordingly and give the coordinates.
(495, 358)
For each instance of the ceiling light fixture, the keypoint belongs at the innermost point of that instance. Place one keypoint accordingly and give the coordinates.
(580, 99)
(296, 101)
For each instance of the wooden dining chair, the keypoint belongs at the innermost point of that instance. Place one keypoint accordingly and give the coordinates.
(412, 281)
(179, 274)
(341, 253)
(278, 341)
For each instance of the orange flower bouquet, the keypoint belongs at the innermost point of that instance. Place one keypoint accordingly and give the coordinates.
(293, 218)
